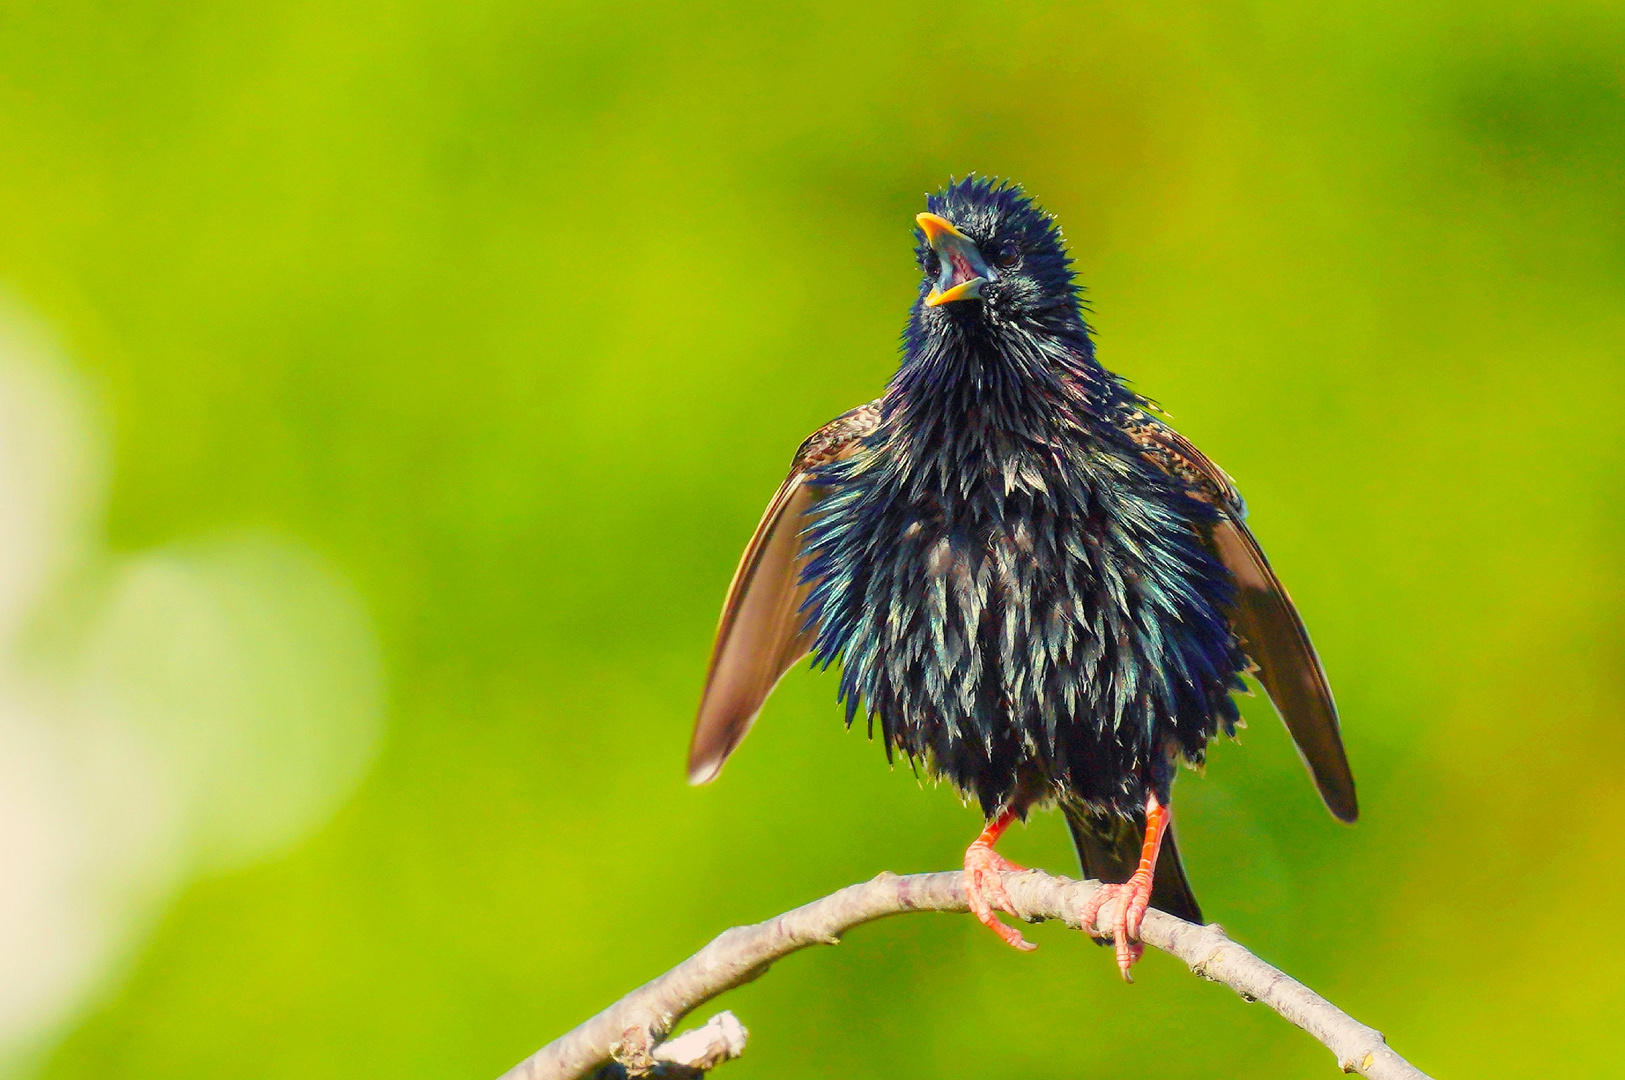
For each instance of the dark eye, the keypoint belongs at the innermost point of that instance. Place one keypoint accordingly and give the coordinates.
(932, 264)
(1008, 255)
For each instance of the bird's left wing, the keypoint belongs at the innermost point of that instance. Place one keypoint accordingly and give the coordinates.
(763, 631)
(1264, 618)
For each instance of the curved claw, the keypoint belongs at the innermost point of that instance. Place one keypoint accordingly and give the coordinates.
(1133, 897)
(984, 889)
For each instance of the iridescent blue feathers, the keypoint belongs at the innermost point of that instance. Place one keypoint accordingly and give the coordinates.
(1032, 585)
(1008, 584)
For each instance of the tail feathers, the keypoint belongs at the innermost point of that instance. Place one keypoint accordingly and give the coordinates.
(1109, 848)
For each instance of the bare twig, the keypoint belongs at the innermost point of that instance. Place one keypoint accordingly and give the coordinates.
(691, 1054)
(723, 1037)
(627, 1031)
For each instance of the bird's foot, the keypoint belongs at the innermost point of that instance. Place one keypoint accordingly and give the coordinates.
(1133, 897)
(984, 888)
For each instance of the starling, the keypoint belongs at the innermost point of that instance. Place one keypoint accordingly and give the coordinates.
(1038, 589)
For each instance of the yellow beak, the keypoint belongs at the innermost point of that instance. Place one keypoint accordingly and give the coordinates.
(958, 292)
(935, 225)
(963, 272)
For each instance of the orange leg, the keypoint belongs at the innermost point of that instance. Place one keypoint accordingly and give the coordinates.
(984, 888)
(1133, 895)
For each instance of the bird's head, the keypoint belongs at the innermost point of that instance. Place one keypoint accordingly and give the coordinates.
(990, 256)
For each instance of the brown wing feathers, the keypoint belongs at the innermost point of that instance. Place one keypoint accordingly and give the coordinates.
(763, 632)
(759, 637)
(1272, 633)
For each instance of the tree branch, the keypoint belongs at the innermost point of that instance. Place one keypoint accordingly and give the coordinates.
(628, 1031)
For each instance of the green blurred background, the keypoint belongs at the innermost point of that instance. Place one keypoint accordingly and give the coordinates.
(496, 323)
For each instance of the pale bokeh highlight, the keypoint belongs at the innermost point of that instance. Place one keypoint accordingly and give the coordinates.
(204, 705)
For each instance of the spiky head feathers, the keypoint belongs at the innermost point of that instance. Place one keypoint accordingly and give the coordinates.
(1031, 280)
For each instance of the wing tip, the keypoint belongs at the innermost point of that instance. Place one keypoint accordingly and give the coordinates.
(715, 738)
(1342, 803)
(702, 771)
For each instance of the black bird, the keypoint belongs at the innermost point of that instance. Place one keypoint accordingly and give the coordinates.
(1039, 589)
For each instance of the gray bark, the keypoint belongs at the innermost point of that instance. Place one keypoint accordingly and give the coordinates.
(631, 1032)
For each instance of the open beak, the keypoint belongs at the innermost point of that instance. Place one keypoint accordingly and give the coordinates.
(964, 271)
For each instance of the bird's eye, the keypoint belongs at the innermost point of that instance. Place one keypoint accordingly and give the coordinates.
(932, 264)
(1008, 255)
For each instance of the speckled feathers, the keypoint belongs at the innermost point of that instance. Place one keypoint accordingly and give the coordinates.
(1028, 580)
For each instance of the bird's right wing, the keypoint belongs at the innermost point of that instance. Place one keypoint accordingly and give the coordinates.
(763, 631)
(1271, 631)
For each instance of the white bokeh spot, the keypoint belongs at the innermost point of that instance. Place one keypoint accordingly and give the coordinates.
(186, 710)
